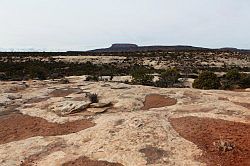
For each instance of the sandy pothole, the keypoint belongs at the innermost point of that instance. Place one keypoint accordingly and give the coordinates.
(153, 154)
(16, 127)
(208, 134)
(157, 101)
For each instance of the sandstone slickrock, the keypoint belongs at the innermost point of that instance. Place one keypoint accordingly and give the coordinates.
(100, 105)
(14, 96)
(168, 132)
(69, 107)
(98, 110)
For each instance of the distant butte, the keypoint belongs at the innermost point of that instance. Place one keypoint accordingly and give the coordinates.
(126, 47)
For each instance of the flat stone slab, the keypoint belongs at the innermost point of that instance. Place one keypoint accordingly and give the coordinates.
(100, 105)
(69, 107)
(98, 110)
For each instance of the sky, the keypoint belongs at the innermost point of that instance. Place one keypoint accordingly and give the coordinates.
(89, 24)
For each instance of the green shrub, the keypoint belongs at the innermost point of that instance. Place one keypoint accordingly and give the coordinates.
(207, 80)
(142, 77)
(168, 78)
(233, 79)
(233, 75)
(245, 81)
(41, 74)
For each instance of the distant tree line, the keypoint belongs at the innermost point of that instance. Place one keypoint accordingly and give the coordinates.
(36, 69)
(233, 79)
(144, 75)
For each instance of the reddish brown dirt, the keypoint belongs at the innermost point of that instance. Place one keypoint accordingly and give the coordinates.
(16, 127)
(84, 161)
(64, 92)
(206, 133)
(153, 154)
(157, 101)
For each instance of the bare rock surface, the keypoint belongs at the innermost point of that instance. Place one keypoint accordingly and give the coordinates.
(14, 96)
(100, 105)
(131, 125)
(98, 110)
(69, 107)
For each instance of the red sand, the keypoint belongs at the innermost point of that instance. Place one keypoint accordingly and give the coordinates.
(157, 101)
(16, 127)
(205, 132)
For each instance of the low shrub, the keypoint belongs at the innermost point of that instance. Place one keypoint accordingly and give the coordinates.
(93, 98)
(142, 77)
(245, 81)
(233, 79)
(207, 80)
(168, 78)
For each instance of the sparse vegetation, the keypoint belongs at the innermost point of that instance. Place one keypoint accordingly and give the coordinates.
(245, 81)
(207, 80)
(142, 77)
(168, 78)
(140, 65)
(93, 97)
(233, 79)
(222, 141)
(224, 146)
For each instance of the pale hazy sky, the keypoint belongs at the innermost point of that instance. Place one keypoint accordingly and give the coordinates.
(87, 24)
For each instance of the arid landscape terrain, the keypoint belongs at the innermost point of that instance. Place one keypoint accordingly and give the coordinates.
(49, 123)
(125, 109)
(124, 83)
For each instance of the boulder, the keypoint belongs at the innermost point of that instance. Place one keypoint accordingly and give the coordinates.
(69, 107)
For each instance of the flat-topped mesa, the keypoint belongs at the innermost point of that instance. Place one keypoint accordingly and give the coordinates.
(125, 45)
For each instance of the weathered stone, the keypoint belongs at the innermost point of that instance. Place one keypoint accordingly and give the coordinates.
(16, 88)
(98, 110)
(69, 107)
(14, 96)
(100, 105)
(124, 133)
(64, 81)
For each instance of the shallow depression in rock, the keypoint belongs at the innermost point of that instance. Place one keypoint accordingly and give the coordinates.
(157, 101)
(16, 127)
(223, 142)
